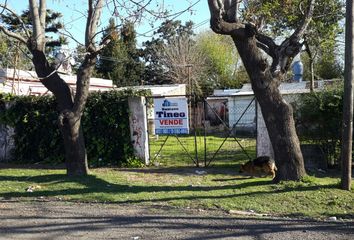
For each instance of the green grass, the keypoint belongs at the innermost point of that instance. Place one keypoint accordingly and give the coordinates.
(221, 188)
(181, 151)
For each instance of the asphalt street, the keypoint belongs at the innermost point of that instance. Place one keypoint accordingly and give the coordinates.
(63, 220)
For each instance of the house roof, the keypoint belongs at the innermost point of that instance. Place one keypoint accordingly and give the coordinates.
(285, 88)
(21, 82)
(161, 90)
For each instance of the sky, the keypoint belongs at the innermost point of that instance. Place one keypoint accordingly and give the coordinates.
(74, 19)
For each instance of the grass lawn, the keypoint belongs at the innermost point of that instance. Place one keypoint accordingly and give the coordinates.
(211, 150)
(219, 188)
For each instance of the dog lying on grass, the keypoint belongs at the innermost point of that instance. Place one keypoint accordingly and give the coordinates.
(261, 166)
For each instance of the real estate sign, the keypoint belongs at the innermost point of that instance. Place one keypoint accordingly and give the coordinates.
(171, 115)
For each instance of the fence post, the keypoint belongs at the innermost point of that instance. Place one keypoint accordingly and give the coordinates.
(204, 126)
(139, 128)
(195, 130)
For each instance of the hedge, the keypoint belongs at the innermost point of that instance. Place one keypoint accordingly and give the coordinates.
(37, 137)
(319, 120)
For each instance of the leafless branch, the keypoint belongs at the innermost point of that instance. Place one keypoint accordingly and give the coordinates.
(5, 7)
(69, 35)
(13, 35)
(42, 12)
(105, 38)
(94, 13)
(185, 63)
(38, 38)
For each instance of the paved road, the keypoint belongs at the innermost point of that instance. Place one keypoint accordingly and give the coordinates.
(61, 220)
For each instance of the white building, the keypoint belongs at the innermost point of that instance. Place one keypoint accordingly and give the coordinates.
(243, 110)
(21, 82)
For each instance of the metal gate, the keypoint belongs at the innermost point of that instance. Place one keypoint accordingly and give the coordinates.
(222, 132)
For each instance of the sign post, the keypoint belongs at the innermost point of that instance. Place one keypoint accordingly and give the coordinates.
(171, 116)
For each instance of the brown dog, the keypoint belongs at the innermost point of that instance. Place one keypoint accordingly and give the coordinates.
(261, 166)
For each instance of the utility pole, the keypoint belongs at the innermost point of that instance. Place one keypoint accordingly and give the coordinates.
(189, 66)
(347, 134)
(191, 94)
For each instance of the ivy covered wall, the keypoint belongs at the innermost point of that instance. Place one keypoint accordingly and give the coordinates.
(37, 138)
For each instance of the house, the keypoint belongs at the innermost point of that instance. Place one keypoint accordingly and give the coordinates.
(244, 114)
(20, 82)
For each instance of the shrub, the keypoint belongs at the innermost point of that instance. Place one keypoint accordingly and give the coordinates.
(319, 119)
(37, 137)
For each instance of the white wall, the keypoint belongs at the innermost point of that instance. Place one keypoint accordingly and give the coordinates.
(138, 128)
(264, 146)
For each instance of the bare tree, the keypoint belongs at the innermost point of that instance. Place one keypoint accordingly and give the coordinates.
(184, 62)
(71, 106)
(347, 135)
(266, 77)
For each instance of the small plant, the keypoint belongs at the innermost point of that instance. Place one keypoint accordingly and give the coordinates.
(133, 162)
(308, 179)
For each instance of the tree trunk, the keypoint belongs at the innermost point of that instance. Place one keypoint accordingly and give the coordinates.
(74, 145)
(312, 76)
(70, 109)
(266, 78)
(311, 63)
(69, 123)
(347, 134)
(278, 115)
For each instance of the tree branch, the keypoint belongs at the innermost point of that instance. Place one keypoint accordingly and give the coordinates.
(105, 38)
(4, 7)
(291, 46)
(264, 47)
(38, 38)
(13, 35)
(85, 70)
(94, 13)
(231, 8)
(69, 34)
(300, 31)
(42, 12)
(220, 23)
(267, 44)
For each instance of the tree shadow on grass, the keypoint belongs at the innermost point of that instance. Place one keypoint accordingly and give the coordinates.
(184, 170)
(94, 185)
(31, 166)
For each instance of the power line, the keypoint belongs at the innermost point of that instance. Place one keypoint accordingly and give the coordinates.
(201, 23)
